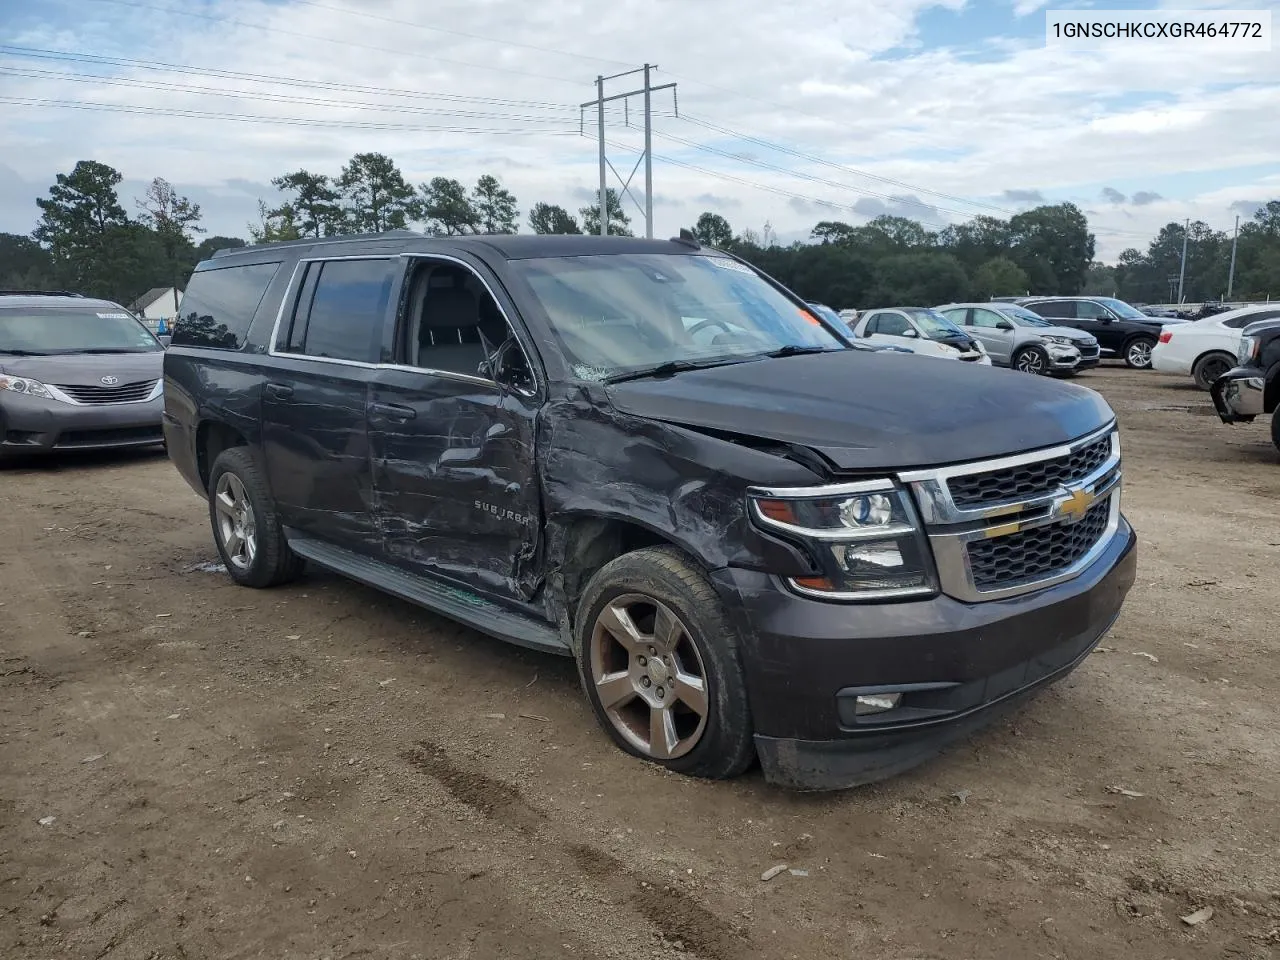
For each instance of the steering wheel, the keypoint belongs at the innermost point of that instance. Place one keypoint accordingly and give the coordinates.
(713, 322)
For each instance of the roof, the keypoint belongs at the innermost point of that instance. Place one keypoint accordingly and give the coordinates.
(148, 298)
(67, 300)
(508, 246)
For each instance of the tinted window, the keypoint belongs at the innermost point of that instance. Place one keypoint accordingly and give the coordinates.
(219, 305)
(1240, 322)
(1065, 309)
(1088, 310)
(347, 305)
(872, 324)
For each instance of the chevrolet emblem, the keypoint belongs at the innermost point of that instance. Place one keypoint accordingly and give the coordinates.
(1075, 505)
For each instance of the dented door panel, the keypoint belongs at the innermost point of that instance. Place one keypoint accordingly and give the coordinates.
(455, 482)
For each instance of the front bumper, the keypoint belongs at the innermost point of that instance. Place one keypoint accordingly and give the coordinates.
(31, 425)
(1239, 395)
(957, 666)
(1063, 358)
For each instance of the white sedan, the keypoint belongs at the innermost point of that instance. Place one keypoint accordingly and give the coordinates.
(1206, 349)
(922, 331)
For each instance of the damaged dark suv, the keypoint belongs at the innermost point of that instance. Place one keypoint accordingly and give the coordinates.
(757, 540)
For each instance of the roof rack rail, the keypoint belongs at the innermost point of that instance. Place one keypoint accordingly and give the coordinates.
(310, 241)
(40, 293)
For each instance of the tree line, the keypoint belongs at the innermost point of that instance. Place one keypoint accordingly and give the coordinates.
(86, 241)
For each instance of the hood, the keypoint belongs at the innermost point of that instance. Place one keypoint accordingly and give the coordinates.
(866, 411)
(86, 369)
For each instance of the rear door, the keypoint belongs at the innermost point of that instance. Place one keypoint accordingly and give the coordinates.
(452, 439)
(315, 427)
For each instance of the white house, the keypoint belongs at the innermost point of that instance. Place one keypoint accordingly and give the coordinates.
(158, 303)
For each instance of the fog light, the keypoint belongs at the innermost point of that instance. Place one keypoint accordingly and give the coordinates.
(876, 703)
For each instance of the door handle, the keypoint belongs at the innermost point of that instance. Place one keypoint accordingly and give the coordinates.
(393, 411)
(281, 391)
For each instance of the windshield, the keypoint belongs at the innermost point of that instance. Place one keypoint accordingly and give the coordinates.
(59, 330)
(934, 324)
(621, 313)
(827, 314)
(1122, 309)
(1022, 317)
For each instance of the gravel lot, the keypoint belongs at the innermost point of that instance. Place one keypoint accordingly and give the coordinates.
(319, 771)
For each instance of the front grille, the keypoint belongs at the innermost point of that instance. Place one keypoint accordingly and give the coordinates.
(110, 437)
(1028, 480)
(1089, 353)
(1038, 554)
(133, 392)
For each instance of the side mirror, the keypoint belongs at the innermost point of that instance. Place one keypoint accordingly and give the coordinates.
(909, 333)
(1004, 325)
(508, 368)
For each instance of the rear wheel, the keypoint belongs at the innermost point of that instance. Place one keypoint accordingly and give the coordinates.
(659, 661)
(1210, 367)
(1137, 353)
(1275, 428)
(1031, 360)
(246, 528)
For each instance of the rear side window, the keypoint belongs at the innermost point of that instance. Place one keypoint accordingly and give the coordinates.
(219, 305)
(1062, 309)
(1239, 322)
(893, 325)
(340, 309)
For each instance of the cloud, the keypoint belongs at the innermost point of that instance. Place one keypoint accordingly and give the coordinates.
(852, 90)
(1246, 208)
(1112, 195)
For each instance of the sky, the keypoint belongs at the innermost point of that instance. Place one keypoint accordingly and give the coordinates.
(788, 114)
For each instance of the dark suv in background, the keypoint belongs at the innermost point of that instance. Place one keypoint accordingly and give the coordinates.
(1121, 330)
(755, 539)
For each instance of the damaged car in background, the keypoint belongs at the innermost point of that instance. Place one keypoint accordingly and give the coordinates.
(757, 542)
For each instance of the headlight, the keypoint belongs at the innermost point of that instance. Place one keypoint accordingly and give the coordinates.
(33, 388)
(865, 536)
(1248, 350)
(1061, 341)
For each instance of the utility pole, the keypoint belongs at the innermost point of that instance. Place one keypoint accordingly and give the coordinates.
(1182, 270)
(646, 156)
(604, 175)
(1231, 276)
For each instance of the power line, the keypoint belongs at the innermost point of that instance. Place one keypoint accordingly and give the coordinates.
(269, 97)
(162, 67)
(344, 43)
(290, 121)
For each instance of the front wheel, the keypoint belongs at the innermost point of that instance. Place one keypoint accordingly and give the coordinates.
(658, 658)
(1210, 367)
(246, 528)
(1031, 360)
(1137, 353)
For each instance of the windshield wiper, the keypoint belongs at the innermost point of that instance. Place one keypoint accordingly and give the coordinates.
(675, 366)
(98, 350)
(795, 350)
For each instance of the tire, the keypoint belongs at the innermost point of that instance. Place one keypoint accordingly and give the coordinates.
(1210, 367)
(644, 690)
(1275, 429)
(245, 525)
(1031, 360)
(1137, 353)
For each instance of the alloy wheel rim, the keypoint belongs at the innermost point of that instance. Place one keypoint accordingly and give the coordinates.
(1030, 362)
(237, 525)
(1140, 354)
(649, 676)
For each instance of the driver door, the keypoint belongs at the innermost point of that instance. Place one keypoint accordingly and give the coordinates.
(890, 328)
(995, 332)
(452, 435)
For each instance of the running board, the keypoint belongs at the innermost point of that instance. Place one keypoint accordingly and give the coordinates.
(457, 603)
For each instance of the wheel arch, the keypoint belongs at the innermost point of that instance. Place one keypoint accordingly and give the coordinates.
(212, 438)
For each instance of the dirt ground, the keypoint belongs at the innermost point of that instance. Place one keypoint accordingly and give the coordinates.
(320, 771)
